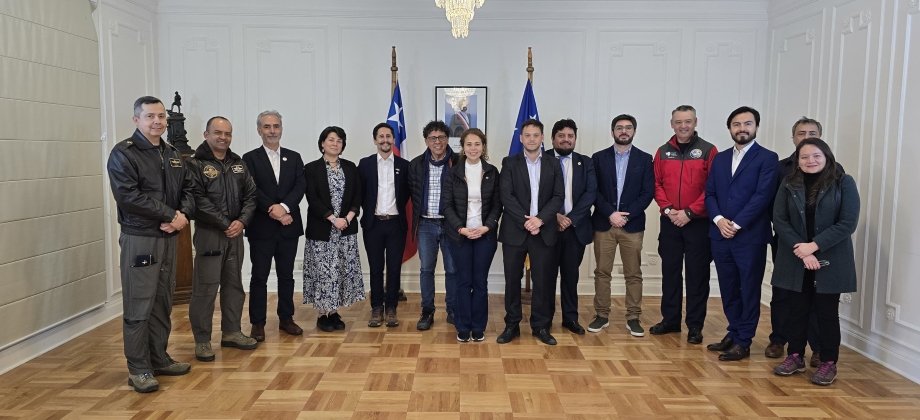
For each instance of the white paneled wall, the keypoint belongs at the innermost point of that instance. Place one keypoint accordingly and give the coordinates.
(854, 66)
(328, 63)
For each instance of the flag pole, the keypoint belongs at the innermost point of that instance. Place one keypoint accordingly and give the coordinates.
(393, 80)
(526, 295)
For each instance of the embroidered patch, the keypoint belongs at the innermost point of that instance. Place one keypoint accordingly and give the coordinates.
(175, 163)
(696, 153)
(237, 169)
(210, 172)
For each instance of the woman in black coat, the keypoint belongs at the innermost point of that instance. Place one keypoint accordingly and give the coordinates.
(816, 212)
(331, 264)
(472, 207)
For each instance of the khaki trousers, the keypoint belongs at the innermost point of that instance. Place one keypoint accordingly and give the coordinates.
(605, 251)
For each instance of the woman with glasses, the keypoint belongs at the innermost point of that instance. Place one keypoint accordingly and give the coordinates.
(331, 263)
(472, 206)
(816, 212)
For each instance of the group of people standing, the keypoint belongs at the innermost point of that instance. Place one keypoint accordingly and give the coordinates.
(713, 206)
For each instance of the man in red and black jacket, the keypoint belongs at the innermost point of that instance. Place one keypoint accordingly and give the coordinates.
(681, 168)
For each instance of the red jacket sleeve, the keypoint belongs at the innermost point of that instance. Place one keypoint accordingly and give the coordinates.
(660, 197)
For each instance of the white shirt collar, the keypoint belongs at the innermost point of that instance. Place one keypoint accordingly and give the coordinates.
(270, 151)
(743, 149)
(380, 158)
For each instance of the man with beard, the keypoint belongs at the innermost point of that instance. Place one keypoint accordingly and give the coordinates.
(385, 181)
(740, 187)
(574, 218)
(625, 188)
(276, 225)
(681, 167)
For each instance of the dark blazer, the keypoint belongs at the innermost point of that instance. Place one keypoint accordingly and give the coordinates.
(319, 199)
(515, 195)
(367, 169)
(288, 190)
(745, 197)
(638, 188)
(416, 187)
(584, 192)
(836, 217)
(455, 199)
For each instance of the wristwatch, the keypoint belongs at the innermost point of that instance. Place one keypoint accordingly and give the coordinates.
(668, 210)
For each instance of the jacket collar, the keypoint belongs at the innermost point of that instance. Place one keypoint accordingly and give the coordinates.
(142, 143)
(693, 139)
(203, 152)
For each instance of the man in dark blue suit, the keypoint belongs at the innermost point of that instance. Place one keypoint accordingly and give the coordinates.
(276, 225)
(740, 187)
(625, 188)
(385, 181)
(575, 230)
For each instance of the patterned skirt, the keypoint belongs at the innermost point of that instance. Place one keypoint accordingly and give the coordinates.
(332, 272)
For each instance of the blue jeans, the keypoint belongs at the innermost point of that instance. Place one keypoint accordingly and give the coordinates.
(473, 259)
(431, 236)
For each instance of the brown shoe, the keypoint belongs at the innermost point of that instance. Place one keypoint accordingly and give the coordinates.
(815, 359)
(774, 350)
(290, 327)
(391, 317)
(376, 317)
(258, 332)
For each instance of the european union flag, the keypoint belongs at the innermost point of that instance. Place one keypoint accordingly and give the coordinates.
(397, 121)
(528, 111)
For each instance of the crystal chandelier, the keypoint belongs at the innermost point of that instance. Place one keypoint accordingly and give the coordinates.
(457, 97)
(459, 13)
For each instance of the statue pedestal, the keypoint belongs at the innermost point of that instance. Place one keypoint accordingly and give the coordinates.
(184, 272)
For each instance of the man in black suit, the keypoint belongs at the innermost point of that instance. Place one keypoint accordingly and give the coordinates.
(532, 193)
(574, 218)
(385, 181)
(276, 225)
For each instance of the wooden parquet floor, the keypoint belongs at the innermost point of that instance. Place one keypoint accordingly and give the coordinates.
(401, 373)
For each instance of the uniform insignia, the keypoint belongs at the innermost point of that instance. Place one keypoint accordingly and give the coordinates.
(695, 153)
(237, 169)
(175, 163)
(130, 142)
(210, 172)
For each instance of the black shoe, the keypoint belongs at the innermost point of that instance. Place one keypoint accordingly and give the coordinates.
(463, 337)
(425, 321)
(510, 332)
(735, 352)
(450, 318)
(544, 336)
(664, 328)
(479, 336)
(324, 323)
(695, 336)
(573, 327)
(336, 321)
(722, 345)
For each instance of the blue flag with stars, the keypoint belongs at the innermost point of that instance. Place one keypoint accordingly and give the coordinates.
(528, 111)
(397, 121)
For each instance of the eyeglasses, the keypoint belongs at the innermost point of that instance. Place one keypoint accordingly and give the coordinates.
(436, 138)
(623, 128)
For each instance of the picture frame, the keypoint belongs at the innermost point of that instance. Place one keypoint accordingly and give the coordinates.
(461, 107)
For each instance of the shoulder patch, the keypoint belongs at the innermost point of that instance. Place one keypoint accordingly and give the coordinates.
(237, 169)
(210, 171)
(175, 163)
(696, 153)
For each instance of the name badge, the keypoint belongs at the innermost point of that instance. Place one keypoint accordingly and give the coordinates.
(175, 163)
(237, 169)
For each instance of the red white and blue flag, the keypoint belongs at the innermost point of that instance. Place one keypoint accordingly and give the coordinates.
(397, 121)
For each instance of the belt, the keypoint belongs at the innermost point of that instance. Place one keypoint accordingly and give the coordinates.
(387, 217)
(439, 221)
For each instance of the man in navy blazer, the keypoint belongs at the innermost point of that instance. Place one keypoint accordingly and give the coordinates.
(740, 187)
(625, 188)
(385, 181)
(276, 226)
(574, 218)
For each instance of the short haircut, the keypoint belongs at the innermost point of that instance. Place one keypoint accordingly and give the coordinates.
(621, 117)
(435, 125)
(806, 120)
(268, 112)
(326, 132)
(564, 123)
(383, 125)
(532, 122)
(742, 110)
(478, 133)
(684, 108)
(144, 100)
(207, 127)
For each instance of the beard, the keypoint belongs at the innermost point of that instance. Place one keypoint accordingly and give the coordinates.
(563, 151)
(622, 142)
(744, 141)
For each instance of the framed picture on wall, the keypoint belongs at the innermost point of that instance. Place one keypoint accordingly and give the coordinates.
(461, 108)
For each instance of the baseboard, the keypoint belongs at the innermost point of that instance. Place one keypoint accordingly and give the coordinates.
(46, 341)
(879, 353)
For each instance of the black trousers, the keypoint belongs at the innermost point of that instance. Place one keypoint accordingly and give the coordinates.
(261, 254)
(684, 249)
(825, 307)
(543, 279)
(779, 314)
(384, 244)
(569, 255)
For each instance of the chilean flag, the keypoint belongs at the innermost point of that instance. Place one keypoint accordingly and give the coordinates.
(397, 121)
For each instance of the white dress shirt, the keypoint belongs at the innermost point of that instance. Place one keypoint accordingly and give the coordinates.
(567, 177)
(386, 187)
(533, 172)
(274, 157)
(474, 195)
